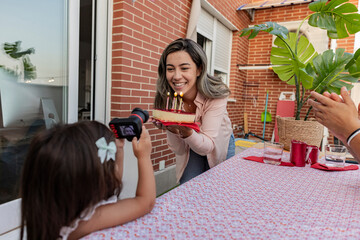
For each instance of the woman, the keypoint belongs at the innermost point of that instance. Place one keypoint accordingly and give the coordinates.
(183, 68)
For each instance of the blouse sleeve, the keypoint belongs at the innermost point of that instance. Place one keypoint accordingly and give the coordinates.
(176, 143)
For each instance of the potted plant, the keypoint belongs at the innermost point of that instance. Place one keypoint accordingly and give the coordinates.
(295, 61)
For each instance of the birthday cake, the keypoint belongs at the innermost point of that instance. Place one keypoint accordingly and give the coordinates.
(171, 116)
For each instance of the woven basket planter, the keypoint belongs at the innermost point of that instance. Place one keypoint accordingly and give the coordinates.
(311, 132)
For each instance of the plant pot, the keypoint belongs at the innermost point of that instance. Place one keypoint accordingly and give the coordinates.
(311, 132)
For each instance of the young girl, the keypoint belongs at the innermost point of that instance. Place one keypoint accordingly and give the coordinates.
(71, 181)
(182, 68)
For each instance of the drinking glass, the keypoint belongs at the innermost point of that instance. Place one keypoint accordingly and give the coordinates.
(335, 155)
(273, 152)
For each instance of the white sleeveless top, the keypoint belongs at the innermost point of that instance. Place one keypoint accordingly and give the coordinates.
(84, 216)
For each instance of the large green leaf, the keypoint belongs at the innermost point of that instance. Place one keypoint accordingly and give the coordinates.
(336, 16)
(329, 72)
(354, 65)
(290, 60)
(269, 27)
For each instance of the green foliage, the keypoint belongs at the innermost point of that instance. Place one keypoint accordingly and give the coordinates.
(290, 58)
(13, 50)
(328, 71)
(338, 18)
(270, 27)
(295, 60)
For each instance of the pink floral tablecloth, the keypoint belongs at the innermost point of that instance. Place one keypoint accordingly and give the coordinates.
(241, 199)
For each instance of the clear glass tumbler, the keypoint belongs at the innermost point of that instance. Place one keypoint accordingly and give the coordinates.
(335, 155)
(273, 152)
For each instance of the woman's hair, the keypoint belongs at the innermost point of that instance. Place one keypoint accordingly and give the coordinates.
(209, 86)
(62, 176)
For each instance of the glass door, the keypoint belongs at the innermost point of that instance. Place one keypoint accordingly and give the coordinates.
(36, 74)
(52, 55)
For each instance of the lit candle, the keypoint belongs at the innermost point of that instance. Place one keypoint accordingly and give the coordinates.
(167, 101)
(180, 104)
(174, 101)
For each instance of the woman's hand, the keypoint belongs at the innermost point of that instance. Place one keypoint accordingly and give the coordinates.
(158, 124)
(340, 116)
(182, 131)
(337, 98)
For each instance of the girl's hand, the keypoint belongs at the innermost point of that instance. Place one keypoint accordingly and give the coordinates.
(143, 147)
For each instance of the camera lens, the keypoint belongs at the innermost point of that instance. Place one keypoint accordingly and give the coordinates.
(143, 114)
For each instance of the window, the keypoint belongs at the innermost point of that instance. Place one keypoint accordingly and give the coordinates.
(207, 46)
(214, 34)
(34, 84)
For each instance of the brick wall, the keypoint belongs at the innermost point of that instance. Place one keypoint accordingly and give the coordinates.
(141, 30)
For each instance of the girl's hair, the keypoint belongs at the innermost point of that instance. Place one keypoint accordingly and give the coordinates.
(62, 176)
(209, 86)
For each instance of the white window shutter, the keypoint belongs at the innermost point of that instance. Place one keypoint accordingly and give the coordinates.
(222, 48)
(205, 24)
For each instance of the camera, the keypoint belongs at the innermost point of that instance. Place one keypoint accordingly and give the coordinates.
(129, 127)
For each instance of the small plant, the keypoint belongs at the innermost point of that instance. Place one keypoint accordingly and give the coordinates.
(295, 60)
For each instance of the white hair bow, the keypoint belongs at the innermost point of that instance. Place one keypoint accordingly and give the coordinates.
(106, 151)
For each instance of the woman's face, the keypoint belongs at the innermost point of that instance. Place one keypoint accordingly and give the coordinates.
(181, 73)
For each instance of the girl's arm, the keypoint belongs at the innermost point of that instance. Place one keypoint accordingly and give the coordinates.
(130, 209)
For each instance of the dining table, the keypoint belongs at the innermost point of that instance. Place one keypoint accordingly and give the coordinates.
(243, 199)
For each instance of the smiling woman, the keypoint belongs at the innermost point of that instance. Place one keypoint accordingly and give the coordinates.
(183, 68)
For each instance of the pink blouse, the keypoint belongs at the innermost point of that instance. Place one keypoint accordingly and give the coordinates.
(213, 138)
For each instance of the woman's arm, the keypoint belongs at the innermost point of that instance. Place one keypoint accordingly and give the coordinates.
(126, 210)
(213, 116)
